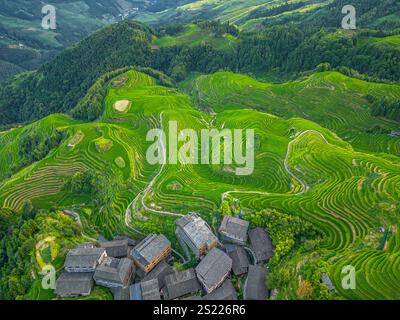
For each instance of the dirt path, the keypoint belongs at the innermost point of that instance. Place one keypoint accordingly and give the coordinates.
(304, 186)
(77, 218)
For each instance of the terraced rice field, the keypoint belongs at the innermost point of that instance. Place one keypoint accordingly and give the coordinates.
(330, 99)
(301, 168)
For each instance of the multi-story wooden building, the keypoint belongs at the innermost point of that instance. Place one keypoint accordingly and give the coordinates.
(193, 232)
(150, 251)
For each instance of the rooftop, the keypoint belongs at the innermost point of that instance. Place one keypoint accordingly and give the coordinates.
(197, 230)
(181, 283)
(83, 257)
(261, 244)
(121, 293)
(159, 272)
(116, 248)
(131, 242)
(234, 228)
(115, 270)
(150, 290)
(145, 290)
(150, 248)
(214, 267)
(225, 292)
(240, 259)
(255, 287)
(72, 284)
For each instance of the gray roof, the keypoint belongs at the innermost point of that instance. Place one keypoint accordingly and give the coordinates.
(121, 293)
(159, 272)
(197, 230)
(83, 257)
(150, 290)
(150, 248)
(261, 244)
(234, 228)
(118, 271)
(116, 248)
(214, 267)
(89, 245)
(225, 292)
(327, 281)
(145, 290)
(72, 284)
(255, 287)
(131, 242)
(240, 259)
(181, 283)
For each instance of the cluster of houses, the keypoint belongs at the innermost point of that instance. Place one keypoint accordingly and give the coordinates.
(142, 271)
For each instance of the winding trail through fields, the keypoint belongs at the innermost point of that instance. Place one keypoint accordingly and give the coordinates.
(304, 186)
(140, 197)
(77, 218)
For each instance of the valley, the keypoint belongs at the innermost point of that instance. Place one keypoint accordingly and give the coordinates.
(301, 168)
(323, 103)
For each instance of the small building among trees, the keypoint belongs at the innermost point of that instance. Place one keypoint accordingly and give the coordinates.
(234, 230)
(261, 244)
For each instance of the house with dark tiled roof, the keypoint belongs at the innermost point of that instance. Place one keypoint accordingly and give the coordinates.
(116, 248)
(181, 284)
(192, 231)
(214, 269)
(240, 259)
(145, 290)
(121, 293)
(150, 251)
(261, 244)
(131, 242)
(162, 270)
(89, 245)
(255, 287)
(225, 292)
(234, 230)
(114, 272)
(84, 259)
(74, 284)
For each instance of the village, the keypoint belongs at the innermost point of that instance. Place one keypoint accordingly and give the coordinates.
(142, 270)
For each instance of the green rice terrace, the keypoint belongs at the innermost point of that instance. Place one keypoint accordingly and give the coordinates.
(315, 158)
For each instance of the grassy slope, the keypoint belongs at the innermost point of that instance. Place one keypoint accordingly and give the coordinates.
(351, 194)
(330, 99)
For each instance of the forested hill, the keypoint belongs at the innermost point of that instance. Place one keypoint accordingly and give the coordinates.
(206, 47)
(25, 45)
(57, 86)
(258, 14)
